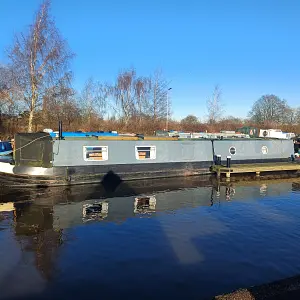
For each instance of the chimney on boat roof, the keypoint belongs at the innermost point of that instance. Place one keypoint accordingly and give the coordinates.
(60, 130)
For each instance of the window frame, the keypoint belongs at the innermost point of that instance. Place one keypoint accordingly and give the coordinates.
(136, 152)
(104, 157)
(232, 147)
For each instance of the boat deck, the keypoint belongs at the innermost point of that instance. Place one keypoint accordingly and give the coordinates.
(256, 168)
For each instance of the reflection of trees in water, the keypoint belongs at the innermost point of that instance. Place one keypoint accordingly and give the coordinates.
(34, 231)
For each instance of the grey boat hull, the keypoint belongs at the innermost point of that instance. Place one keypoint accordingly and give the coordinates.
(109, 174)
(45, 162)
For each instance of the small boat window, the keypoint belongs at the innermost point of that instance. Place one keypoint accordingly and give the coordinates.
(264, 150)
(95, 153)
(232, 150)
(145, 152)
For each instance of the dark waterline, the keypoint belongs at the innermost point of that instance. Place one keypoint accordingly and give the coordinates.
(196, 240)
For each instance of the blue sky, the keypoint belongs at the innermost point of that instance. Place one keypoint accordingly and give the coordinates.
(249, 48)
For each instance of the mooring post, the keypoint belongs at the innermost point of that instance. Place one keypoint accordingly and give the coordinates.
(257, 174)
(228, 162)
(219, 159)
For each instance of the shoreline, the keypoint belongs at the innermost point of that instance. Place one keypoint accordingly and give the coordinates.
(288, 288)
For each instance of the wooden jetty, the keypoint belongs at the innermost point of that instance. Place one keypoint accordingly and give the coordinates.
(256, 169)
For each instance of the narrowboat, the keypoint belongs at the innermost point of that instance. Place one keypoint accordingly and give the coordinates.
(43, 159)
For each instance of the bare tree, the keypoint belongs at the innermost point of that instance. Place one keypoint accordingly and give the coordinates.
(191, 123)
(59, 103)
(190, 119)
(138, 99)
(297, 115)
(270, 108)
(159, 102)
(214, 106)
(93, 100)
(10, 93)
(124, 95)
(39, 57)
(142, 90)
(231, 123)
(290, 116)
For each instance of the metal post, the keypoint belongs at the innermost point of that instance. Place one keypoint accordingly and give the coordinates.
(219, 159)
(167, 123)
(228, 162)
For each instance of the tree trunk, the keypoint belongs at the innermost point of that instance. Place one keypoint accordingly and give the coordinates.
(30, 120)
(34, 97)
(31, 113)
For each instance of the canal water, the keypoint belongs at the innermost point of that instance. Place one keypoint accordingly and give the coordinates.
(177, 239)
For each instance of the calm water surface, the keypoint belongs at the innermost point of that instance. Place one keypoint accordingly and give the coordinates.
(189, 240)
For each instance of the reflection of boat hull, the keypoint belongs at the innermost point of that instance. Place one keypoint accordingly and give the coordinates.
(66, 204)
(99, 191)
(122, 208)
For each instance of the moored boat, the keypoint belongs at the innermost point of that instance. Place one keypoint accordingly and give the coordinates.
(5, 148)
(43, 160)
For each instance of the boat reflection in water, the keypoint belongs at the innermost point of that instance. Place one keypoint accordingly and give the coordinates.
(65, 207)
(144, 205)
(95, 211)
(30, 252)
(39, 227)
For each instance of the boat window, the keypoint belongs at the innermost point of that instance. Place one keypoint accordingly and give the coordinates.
(264, 150)
(145, 152)
(232, 150)
(95, 153)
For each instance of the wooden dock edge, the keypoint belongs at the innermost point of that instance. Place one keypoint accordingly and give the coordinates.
(256, 169)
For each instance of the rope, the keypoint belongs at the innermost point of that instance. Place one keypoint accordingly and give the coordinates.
(18, 149)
